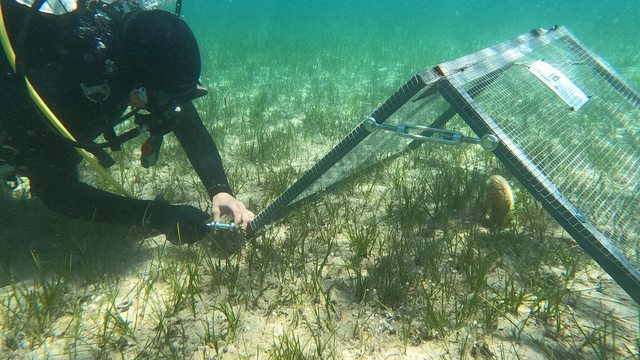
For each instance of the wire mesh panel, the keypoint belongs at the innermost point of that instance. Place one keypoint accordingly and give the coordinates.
(356, 151)
(591, 155)
(583, 164)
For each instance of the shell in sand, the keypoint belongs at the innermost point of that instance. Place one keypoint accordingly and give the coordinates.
(500, 199)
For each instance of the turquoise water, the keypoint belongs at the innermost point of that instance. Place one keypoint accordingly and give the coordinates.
(417, 34)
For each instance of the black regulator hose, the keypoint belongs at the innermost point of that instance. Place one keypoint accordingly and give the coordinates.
(118, 140)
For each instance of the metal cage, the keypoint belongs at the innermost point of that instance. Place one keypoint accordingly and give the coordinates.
(564, 122)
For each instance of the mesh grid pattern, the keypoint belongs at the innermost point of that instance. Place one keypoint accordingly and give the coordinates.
(592, 155)
(381, 144)
(356, 151)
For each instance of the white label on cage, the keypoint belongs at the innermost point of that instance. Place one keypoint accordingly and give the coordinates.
(559, 83)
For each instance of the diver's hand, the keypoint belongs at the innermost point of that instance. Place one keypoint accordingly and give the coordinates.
(224, 203)
(182, 224)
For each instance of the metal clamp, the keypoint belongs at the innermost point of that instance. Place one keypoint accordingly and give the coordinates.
(216, 225)
(230, 226)
(449, 137)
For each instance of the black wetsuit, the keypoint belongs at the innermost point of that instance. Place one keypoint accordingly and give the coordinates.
(58, 53)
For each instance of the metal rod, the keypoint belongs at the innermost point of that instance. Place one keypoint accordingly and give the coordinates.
(450, 137)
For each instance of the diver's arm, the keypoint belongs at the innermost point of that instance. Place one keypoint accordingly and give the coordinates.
(57, 185)
(205, 159)
(201, 150)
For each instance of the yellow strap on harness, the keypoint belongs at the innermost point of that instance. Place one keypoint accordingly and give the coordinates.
(6, 44)
(8, 50)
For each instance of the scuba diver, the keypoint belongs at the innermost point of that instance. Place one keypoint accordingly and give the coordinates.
(88, 61)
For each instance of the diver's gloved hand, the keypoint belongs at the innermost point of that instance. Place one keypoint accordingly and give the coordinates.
(182, 224)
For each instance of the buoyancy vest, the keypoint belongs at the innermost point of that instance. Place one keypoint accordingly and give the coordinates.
(67, 70)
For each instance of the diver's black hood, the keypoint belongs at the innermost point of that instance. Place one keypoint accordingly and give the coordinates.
(160, 51)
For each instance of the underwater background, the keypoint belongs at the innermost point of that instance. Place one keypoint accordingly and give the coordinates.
(415, 34)
(398, 262)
